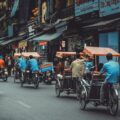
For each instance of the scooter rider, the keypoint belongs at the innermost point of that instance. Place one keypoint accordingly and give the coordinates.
(112, 71)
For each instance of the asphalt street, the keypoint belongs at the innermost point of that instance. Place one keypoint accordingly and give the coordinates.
(27, 103)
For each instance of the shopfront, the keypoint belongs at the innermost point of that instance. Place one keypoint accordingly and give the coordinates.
(109, 9)
(109, 39)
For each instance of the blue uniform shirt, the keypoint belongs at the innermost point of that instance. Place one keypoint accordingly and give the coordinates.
(112, 70)
(23, 64)
(33, 64)
(88, 66)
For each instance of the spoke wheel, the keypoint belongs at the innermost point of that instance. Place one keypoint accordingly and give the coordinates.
(82, 99)
(36, 84)
(5, 78)
(57, 89)
(113, 104)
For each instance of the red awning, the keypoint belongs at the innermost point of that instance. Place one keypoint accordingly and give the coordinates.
(99, 51)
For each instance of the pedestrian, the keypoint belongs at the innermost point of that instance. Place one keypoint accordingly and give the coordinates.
(9, 64)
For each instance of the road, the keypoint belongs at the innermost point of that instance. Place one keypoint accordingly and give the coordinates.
(27, 103)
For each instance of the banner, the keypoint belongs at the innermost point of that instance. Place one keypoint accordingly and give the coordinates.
(15, 7)
(108, 7)
(43, 43)
(22, 44)
(84, 6)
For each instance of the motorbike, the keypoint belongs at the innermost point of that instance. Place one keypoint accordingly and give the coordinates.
(48, 77)
(3, 74)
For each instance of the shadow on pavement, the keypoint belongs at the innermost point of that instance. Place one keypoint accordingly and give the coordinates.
(101, 111)
(68, 97)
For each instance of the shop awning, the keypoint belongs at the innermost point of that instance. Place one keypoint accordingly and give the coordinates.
(99, 51)
(48, 36)
(11, 40)
(102, 23)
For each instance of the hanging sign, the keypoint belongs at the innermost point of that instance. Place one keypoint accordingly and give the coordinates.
(43, 43)
(22, 44)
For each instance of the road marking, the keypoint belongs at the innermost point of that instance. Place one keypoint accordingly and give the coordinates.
(24, 104)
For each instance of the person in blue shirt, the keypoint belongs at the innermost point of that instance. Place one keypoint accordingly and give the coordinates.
(88, 64)
(111, 69)
(22, 64)
(32, 64)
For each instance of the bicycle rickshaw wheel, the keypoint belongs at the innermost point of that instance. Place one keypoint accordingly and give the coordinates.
(21, 83)
(16, 77)
(57, 89)
(113, 104)
(82, 99)
(36, 84)
(5, 78)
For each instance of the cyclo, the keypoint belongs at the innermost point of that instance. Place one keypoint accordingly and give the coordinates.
(28, 77)
(17, 72)
(90, 90)
(64, 81)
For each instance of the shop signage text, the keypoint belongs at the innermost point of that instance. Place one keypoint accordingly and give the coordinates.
(43, 43)
(83, 6)
(108, 7)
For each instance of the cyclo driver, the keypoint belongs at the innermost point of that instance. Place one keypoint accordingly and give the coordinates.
(77, 67)
(112, 71)
(32, 65)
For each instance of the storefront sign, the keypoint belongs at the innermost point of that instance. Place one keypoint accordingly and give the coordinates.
(44, 12)
(63, 44)
(43, 43)
(22, 44)
(108, 7)
(83, 6)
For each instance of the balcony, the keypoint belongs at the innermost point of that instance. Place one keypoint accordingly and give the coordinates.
(67, 12)
(61, 14)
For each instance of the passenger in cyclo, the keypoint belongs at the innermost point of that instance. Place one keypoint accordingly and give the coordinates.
(59, 66)
(23, 64)
(32, 65)
(77, 67)
(67, 63)
(111, 69)
(88, 65)
(20, 64)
